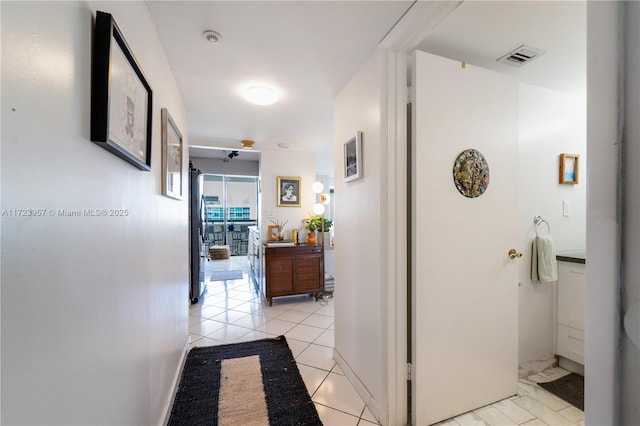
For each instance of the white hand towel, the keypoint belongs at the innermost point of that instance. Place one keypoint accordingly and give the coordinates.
(544, 267)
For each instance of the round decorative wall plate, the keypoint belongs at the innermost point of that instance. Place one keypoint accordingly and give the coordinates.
(471, 173)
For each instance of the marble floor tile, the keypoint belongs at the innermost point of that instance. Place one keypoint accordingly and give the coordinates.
(492, 416)
(535, 422)
(310, 306)
(337, 392)
(293, 316)
(251, 321)
(573, 413)
(276, 326)
(542, 412)
(336, 369)
(249, 307)
(229, 334)
(255, 335)
(204, 342)
(206, 327)
(229, 316)
(325, 339)
(304, 333)
(297, 346)
(330, 417)
(470, 419)
(317, 320)
(367, 415)
(513, 411)
(526, 387)
(312, 377)
(318, 357)
(553, 373)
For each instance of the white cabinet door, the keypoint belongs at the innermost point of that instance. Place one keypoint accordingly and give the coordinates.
(571, 310)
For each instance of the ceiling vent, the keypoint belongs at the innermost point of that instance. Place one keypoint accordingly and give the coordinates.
(522, 55)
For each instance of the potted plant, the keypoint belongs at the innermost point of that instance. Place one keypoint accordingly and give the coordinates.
(316, 223)
(312, 223)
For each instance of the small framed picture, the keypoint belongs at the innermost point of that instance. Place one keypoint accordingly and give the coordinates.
(569, 168)
(121, 98)
(171, 157)
(273, 233)
(289, 191)
(353, 158)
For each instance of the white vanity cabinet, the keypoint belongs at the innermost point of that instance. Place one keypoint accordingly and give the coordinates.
(570, 324)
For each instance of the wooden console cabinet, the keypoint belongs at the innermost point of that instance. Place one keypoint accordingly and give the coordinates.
(293, 270)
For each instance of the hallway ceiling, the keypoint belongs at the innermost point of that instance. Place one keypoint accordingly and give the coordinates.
(309, 50)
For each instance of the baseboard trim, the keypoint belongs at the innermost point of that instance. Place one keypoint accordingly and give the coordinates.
(357, 385)
(166, 412)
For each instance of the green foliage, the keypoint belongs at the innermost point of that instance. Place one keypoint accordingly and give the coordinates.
(314, 223)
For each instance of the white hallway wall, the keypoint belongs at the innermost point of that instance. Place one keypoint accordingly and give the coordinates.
(94, 309)
(274, 163)
(604, 56)
(359, 250)
(631, 354)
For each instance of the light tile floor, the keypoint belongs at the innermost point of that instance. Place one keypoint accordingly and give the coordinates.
(232, 311)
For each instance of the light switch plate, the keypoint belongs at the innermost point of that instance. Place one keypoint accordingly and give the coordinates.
(565, 208)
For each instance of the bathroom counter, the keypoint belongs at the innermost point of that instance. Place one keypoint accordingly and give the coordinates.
(574, 256)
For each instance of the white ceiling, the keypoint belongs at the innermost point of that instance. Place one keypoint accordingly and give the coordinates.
(309, 50)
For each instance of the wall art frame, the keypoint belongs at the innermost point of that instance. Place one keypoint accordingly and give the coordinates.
(353, 158)
(172, 149)
(569, 169)
(289, 191)
(121, 97)
(273, 233)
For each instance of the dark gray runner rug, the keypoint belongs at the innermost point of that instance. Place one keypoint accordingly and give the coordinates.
(234, 274)
(198, 397)
(569, 388)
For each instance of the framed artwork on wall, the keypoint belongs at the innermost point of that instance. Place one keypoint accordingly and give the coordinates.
(353, 158)
(121, 98)
(171, 157)
(569, 168)
(289, 191)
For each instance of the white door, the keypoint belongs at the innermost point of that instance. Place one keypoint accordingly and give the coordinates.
(465, 316)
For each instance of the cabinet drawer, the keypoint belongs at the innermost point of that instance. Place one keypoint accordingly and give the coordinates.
(571, 343)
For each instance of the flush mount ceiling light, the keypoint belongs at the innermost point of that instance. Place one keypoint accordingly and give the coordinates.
(260, 95)
(247, 143)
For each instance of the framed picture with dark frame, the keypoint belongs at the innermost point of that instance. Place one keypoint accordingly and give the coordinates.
(171, 157)
(353, 158)
(121, 98)
(289, 191)
(569, 168)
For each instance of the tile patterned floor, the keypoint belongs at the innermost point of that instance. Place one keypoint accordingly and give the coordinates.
(232, 311)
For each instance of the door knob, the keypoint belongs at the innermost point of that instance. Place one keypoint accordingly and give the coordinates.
(513, 253)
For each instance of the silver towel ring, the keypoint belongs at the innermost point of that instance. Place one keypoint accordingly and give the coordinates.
(539, 220)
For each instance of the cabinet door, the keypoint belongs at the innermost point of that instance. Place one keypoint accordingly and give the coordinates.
(308, 273)
(279, 276)
(571, 294)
